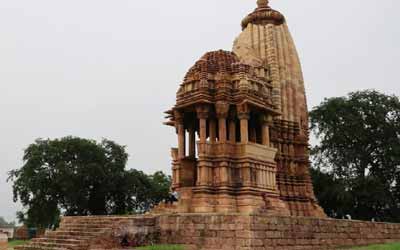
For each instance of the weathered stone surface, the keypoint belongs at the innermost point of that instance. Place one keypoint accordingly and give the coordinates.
(271, 44)
(219, 231)
(229, 105)
(215, 231)
(90, 233)
(249, 110)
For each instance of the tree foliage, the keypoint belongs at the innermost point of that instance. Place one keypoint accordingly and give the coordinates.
(4, 223)
(75, 176)
(358, 155)
(331, 193)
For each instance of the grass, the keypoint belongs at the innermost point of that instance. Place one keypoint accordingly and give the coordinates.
(162, 247)
(14, 243)
(393, 246)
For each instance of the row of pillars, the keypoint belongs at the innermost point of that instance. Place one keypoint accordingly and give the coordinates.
(222, 111)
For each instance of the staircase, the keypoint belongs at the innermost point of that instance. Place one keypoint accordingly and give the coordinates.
(165, 208)
(83, 233)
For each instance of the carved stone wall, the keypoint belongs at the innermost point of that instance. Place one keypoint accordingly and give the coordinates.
(244, 232)
(248, 108)
(232, 167)
(215, 231)
(269, 43)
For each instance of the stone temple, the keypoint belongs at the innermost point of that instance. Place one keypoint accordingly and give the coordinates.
(241, 166)
(242, 126)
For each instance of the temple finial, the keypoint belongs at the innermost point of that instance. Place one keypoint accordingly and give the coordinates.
(262, 3)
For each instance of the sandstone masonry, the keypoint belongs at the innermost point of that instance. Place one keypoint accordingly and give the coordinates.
(247, 232)
(214, 231)
(242, 126)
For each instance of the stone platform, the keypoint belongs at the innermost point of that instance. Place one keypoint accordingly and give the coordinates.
(248, 232)
(215, 231)
(96, 232)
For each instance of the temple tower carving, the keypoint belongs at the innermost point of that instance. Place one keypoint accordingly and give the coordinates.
(242, 126)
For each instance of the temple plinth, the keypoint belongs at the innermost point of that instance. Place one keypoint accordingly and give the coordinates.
(241, 121)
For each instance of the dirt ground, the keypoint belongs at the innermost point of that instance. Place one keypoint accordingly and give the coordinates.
(3, 245)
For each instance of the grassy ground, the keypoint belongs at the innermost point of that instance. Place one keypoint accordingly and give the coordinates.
(394, 246)
(15, 243)
(162, 247)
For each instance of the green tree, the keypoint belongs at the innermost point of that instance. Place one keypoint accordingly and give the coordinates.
(4, 223)
(143, 191)
(161, 184)
(359, 146)
(75, 176)
(331, 194)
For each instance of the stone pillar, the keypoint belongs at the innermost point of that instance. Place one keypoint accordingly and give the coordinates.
(202, 167)
(265, 125)
(224, 173)
(192, 141)
(244, 128)
(269, 179)
(259, 178)
(202, 115)
(181, 140)
(213, 130)
(175, 167)
(222, 129)
(232, 131)
(232, 127)
(265, 135)
(203, 129)
(202, 173)
(222, 109)
(246, 178)
(273, 180)
(244, 116)
(203, 177)
(264, 178)
(180, 128)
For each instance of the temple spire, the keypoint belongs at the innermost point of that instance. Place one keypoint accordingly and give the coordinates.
(262, 3)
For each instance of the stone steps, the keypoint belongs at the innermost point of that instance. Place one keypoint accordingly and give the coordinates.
(104, 220)
(165, 208)
(71, 234)
(45, 244)
(80, 233)
(59, 241)
(32, 247)
(75, 220)
(74, 233)
(88, 225)
(54, 244)
(83, 219)
(85, 229)
(89, 222)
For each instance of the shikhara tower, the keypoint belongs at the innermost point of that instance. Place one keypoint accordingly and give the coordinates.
(242, 125)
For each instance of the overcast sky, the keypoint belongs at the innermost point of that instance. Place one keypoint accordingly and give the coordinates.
(109, 68)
